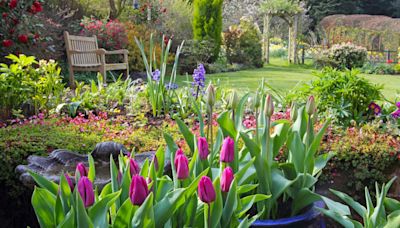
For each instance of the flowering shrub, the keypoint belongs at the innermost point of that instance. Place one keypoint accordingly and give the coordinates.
(18, 29)
(367, 153)
(111, 35)
(345, 55)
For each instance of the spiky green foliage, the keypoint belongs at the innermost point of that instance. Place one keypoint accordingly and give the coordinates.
(207, 22)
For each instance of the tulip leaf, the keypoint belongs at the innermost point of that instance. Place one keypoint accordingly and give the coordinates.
(296, 151)
(227, 125)
(217, 145)
(279, 137)
(98, 212)
(114, 179)
(124, 214)
(391, 204)
(59, 211)
(187, 134)
(393, 220)
(106, 190)
(190, 211)
(43, 202)
(92, 169)
(82, 217)
(242, 173)
(69, 220)
(303, 198)
(160, 154)
(300, 125)
(246, 188)
(230, 204)
(164, 185)
(357, 207)
(343, 220)
(217, 205)
(248, 201)
(144, 215)
(280, 184)
(166, 207)
(321, 162)
(239, 112)
(66, 194)
(44, 183)
(246, 222)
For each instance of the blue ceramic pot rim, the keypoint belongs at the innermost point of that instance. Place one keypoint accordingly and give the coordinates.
(312, 213)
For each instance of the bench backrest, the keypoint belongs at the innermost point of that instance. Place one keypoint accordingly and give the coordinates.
(81, 43)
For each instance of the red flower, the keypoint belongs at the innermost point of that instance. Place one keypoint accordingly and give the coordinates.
(36, 7)
(5, 15)
(13, 4)
(16, 21)
(12, 31)
(23, 38)
(389, 61)
(36, 36)
(7, 43)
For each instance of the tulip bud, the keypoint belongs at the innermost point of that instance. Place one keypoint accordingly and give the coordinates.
(228, 150)
(182, 167)
(210, 95)
(226, 179)
(293, 111)
(133, 167)
(206, 190)
(257, 99)
(71, 185)
(85, 189)
(138, 190)
(234, 100)
(310, 106)
(202, 145)
(155, 162)
(269, 106)
(179, 152)
(81, 169)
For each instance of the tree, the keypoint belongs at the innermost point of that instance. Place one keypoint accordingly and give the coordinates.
(207, 23)
(116, 7)
(288, 10)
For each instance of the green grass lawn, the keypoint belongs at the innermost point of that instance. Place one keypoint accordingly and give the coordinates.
(283, 76)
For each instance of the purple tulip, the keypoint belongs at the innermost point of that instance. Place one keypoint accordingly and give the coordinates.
(81, 168)
(133, 167)
(206, 190)
(396, 114)
(203, 148)
(226, 179)
(85, 189)
(138, 190)
(228, 150)
(71, 185)
(179, 152)
(398, 105)
(182, 166)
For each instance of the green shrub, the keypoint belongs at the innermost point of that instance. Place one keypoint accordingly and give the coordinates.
(243, 44)
(379, 68)
(363, 156)
(342, 56)
(193, 53)
(207, 23)
(23, 83)
(342, 95)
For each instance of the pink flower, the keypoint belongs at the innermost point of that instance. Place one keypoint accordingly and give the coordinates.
(202, 145)
(226, 179)
(85, 189)
(182, 166)
(138, 190)
(133, 167)
(206, 190)
(228, 150)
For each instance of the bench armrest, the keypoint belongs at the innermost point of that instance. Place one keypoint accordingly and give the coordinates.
(116, 52)
(94, 51)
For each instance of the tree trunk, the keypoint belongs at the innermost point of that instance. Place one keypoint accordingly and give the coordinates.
(293, 31)
(266, 37)
(113, 10)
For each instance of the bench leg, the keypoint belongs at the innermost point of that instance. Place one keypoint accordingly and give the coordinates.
(103, 72)
(127, 71)
(71, 77)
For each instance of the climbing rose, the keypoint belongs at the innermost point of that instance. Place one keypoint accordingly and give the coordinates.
(36, 7)
(13, 4)
(23, 38)
(7, 43)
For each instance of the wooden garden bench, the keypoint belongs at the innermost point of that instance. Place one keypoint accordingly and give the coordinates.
(84, 54)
